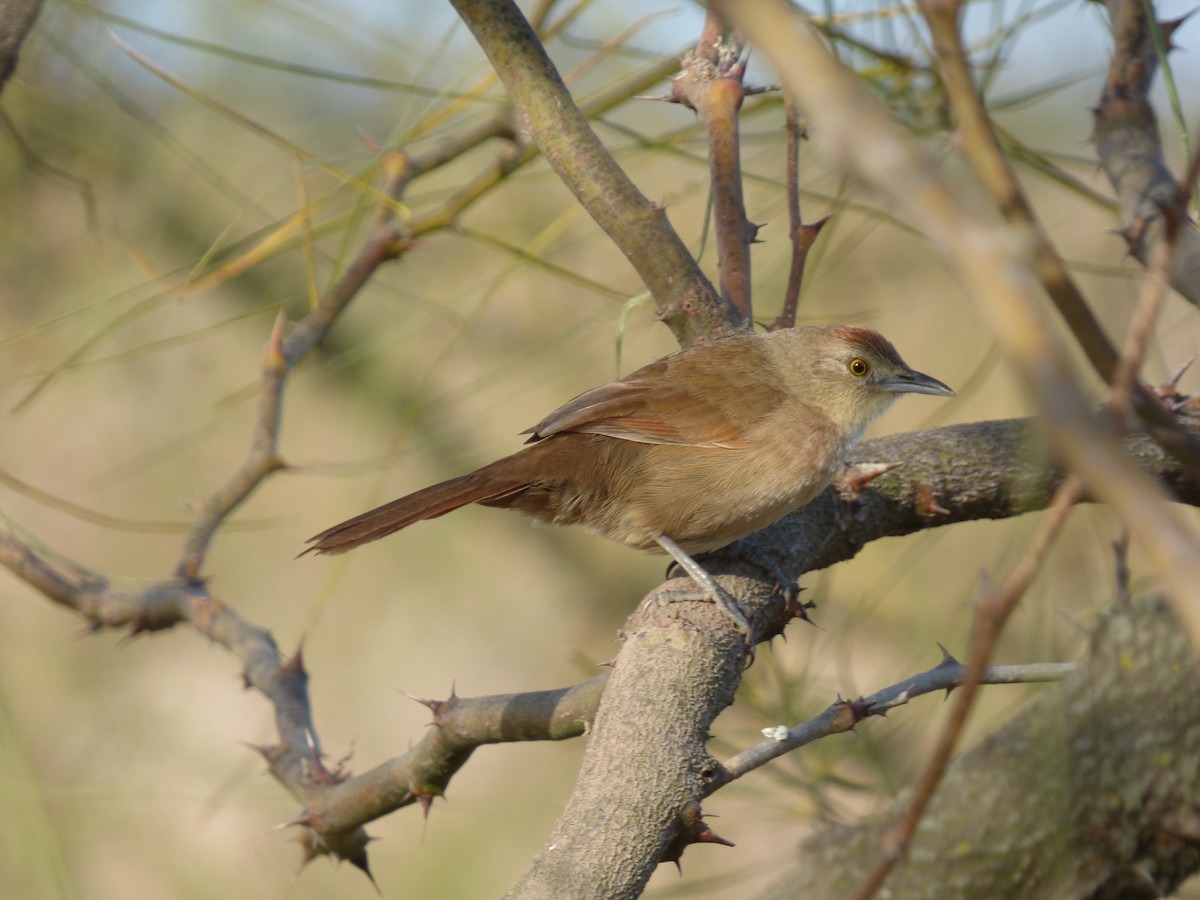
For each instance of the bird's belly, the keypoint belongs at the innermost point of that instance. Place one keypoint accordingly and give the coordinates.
(707, 503)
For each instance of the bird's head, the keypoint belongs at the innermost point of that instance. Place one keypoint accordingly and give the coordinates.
(851, 374)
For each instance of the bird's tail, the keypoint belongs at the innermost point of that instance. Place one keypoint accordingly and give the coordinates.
(429, 503)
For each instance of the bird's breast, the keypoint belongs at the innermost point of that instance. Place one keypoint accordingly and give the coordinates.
(707, 498)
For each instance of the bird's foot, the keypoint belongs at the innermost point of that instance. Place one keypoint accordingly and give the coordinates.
(711, 589)
(785, 584)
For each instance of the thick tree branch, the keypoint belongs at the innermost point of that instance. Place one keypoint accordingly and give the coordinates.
(296, 760)
(981, 471)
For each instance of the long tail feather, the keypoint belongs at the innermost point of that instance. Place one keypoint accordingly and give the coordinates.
(429, 503)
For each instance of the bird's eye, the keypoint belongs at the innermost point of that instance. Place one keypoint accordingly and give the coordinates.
(859, 367)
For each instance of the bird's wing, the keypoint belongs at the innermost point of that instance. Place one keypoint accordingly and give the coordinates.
(686, 398)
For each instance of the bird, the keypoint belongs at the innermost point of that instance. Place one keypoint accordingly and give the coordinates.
(689, 453)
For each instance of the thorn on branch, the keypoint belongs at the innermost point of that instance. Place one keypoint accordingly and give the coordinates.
(294, 664)
(1132, 234)
(304, 820)
(439, 708)
(425, 794)
(350, 847)
(269, 752)
(426, 802)
(1169, 389)
(792, 608)
(927, 504)
(1170, 26)
(692, 829)
(276, 360)
(359, 861)
(948, 658)
(797, 609)
(853, 480)
(808, 233)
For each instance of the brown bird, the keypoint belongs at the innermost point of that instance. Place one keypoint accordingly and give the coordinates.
(687, 454)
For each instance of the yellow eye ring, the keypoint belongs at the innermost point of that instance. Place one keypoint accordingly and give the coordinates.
(858, 367)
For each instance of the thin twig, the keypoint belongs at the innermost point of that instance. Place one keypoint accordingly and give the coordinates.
(844, 715)
(802, 236)
(262, 461)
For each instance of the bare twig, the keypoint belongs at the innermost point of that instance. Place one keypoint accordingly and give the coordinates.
(844, 715)
(802, 236)
(262, 461)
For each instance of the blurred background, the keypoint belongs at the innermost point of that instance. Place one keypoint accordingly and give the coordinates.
(136, 298)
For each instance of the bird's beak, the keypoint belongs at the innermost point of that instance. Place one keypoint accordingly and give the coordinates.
(911, 382)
